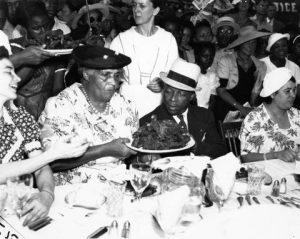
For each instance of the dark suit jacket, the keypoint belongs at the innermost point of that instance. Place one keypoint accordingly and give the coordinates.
(202, 127)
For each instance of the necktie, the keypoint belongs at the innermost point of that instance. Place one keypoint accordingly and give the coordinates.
(182, 124)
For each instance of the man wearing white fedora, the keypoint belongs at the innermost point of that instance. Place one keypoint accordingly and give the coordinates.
(179, 90)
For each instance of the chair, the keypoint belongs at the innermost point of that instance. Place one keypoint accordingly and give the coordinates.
(230, 134)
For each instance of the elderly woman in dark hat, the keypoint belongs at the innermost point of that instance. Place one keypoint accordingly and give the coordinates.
(92, 110)
(240, 74)
(272, 130)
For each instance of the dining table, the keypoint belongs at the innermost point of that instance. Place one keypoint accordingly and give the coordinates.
(79, 223)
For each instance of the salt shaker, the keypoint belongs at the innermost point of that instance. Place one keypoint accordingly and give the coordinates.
(113, 231)
(126, 230)
(275, 189)
(283, 188)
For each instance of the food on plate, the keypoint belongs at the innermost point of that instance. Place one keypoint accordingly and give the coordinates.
(160, 135)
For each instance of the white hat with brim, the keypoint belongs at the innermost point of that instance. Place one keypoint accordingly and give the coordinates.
(246, 34)
(274, 80)
(226, 21)
(182, 75)
(103, 8)
(276, 37)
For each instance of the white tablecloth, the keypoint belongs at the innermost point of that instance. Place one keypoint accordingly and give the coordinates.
(73, 223)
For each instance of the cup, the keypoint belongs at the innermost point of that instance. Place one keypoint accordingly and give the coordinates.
(191, 209)
(255, 178)
(115, 198)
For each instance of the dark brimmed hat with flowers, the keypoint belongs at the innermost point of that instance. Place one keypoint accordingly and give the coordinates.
(96, 57)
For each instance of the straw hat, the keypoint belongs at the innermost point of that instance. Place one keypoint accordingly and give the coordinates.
(246, 34)
(226, 21)
(182, 75)
(103, 8)
(276, 37)
(96, 57)
(274, 80)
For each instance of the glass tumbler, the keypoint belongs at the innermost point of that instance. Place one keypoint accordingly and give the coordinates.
(115, 198)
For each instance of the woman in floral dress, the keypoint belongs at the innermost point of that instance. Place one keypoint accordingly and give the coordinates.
(271, 131)
(19, 140)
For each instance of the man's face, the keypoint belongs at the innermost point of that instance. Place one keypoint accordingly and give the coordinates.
(261, 7)
(225, 35)
(176, 100)
(271, 12)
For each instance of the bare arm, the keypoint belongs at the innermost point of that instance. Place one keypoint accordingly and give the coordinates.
(287, 155)
(115, 148)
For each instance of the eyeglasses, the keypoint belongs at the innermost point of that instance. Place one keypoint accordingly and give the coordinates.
(92, 19)
(225, 31)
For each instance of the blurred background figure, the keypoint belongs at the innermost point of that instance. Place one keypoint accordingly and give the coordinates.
(276, 25)
(186, 34)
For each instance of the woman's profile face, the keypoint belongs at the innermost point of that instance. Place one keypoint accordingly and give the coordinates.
(9, 80)
(284, 98)
(143, 11)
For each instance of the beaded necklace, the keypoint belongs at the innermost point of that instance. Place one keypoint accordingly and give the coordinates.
(105, 112)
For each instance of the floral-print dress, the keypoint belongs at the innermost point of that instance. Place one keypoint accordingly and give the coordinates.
(70, 114)
(19, 134)
(259, 134)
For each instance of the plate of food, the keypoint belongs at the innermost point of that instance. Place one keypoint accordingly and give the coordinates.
(161, 136)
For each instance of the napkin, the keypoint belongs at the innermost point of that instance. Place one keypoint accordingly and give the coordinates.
(224, 169)
(170, 206)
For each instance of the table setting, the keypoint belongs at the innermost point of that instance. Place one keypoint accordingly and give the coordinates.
(192, 195)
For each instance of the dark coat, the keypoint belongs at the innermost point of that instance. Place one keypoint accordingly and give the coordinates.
(201, 125)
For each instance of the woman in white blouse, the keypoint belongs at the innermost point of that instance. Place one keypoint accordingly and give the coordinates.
(152, 50)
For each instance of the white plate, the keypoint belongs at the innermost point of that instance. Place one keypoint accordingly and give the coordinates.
(190, 144)
(59, 52)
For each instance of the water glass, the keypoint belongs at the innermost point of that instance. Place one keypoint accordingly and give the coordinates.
(115, 198)
(140, 177)
(255, 178)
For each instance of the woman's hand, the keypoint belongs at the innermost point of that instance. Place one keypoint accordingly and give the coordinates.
(68, 147)
(37, 207)
(286, 155)
(155, 85)
(117, 148)
(35, 55)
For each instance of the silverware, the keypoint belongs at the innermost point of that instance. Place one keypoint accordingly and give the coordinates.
(99, 232)
(255, 200)
(270, 199)
(85, 207)
(40, 223)
(248, 199)
(240, 200)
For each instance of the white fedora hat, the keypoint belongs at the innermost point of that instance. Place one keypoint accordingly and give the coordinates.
(276, 37)
(274, 80)
(182, 75)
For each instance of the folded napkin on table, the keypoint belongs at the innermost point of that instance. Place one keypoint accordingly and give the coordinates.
(170, 206)
(224, 169)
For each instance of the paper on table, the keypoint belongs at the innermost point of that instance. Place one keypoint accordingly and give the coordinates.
(225, 168)
(193, 164)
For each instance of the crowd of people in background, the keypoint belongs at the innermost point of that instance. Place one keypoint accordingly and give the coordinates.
(129, 68)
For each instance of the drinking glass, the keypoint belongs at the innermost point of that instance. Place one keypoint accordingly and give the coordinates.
(140, 177)
(255, 178)
(18, 192)
(115, 198)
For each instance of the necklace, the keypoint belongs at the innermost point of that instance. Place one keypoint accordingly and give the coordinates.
(105, 112)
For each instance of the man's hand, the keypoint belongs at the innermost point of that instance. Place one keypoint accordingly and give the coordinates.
(155, 85)
(37, 207)
(34, 55)
(117, 148)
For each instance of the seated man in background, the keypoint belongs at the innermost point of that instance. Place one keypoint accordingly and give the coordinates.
(179, 90)
(91, 110)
